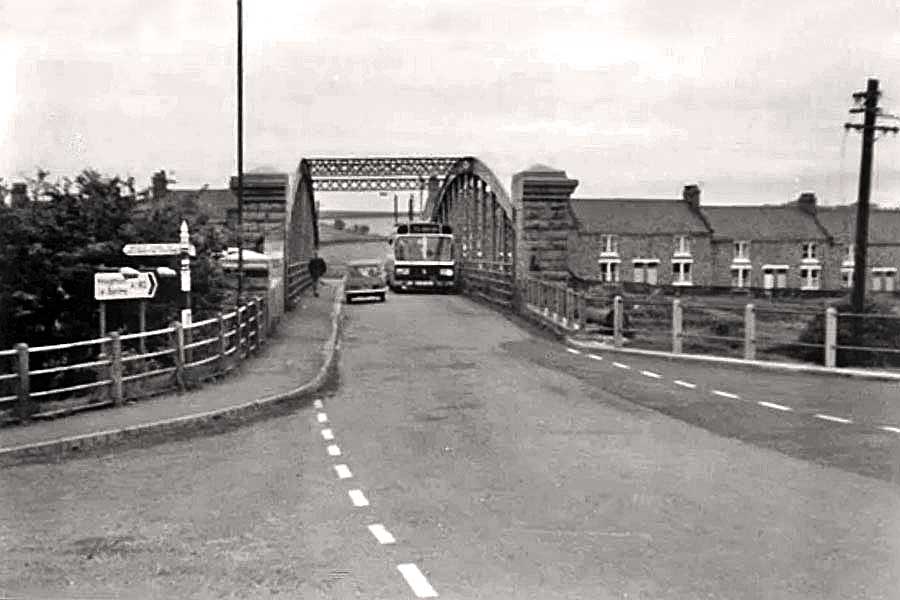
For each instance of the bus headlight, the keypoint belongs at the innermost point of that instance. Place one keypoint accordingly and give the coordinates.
(402, 271)
(446, 272)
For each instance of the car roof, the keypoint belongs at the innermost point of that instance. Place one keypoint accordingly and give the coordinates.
(368, 262)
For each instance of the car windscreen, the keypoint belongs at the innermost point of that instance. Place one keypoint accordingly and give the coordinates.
(423, 247)
(365, 270)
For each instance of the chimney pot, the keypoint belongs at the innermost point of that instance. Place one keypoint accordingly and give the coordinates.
(807, 202)
(691, 195)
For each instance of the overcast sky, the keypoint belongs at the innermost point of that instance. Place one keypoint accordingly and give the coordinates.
(633, 98)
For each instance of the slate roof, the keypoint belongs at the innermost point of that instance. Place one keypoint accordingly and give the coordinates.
(764, 223)
(884, 224)
(637, 216)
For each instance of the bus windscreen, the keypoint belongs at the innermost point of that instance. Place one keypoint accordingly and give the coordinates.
(423, 247)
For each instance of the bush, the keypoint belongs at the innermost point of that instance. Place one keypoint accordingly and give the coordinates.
(856, 331)
(339, 224)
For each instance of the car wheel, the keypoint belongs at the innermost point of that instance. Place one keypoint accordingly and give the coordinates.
(381, 297)
(348, 299)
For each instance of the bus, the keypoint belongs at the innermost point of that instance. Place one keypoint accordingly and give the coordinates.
(422, 257)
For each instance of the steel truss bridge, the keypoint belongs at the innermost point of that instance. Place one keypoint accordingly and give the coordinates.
(378, 174)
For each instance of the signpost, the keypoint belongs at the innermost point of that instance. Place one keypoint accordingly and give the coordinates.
(115, 286)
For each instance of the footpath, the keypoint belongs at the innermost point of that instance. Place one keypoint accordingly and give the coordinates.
(294, 364)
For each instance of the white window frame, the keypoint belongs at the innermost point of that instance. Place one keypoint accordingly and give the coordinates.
(682, 245)
(643, 265)
(850, 257)
(775, 271)
(808, 251)
(741, 250)
(847, 277)
(679, 278)
(744, 275)
(609, 243)
(881, 275)
(610, 271)
(810, 277)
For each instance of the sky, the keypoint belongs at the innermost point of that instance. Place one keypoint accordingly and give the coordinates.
(632, 98)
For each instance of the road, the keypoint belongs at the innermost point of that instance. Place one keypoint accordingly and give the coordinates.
(500, 465)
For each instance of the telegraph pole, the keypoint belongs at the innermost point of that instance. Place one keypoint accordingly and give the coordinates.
(870, 111)
(240, 153)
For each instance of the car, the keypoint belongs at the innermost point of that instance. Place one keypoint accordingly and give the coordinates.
(365, 278)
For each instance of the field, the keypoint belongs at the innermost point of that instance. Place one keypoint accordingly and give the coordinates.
(336, 256)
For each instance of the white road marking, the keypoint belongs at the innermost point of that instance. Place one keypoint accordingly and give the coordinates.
(595, 357)
(333, 450)
(343, 471)
(322, 417)
(327, 434)
(413, 576)
(726, 394)
(317, 403)
(834, 419)
(891, 429)
(358, 498)
(573, 351)
(685, 384)
(381, 534)
(620, 365)
(775, 406)
(651, 374)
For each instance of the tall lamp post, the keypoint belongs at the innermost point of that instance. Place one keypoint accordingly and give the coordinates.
(240, 152)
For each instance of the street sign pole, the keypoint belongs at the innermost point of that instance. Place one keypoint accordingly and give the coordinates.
(142, 325)
(185, 275)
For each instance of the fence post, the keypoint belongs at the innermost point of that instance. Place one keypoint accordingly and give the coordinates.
(750, 332)
(223, 343)
(677, 326)
(238, 334)
(178, 336)
(257, 336)
(24, 408)
(582, 311)
(831, 322)
(116, 367)
(618, 314)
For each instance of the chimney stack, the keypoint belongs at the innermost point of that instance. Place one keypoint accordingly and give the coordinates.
(807, 202)
(19, 195)
(691, 195)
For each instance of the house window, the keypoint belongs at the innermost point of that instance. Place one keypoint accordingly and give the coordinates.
(809, 278)
(740, 277)
(681, 272)
(775, 276)
(609, 271)
(741, 250)
(609, 244)
(682, 245)
(883, 279)
(847, 277)
(809, 251)
(646, 271)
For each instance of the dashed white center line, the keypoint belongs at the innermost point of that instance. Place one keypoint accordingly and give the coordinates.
(651, 374)
(343, 471)
(381, 534)
(891, 429)
(327, 434)
(333, 450)
(573, 351)
(322, 417)
(726, 394)
(419, 584)
(595, 357)
(775, 406)
(358, 498)
(685, 384)
(833, 419)
(317, 403)
(620, 365)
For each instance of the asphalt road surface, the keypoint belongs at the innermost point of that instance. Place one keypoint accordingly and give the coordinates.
(466, 458)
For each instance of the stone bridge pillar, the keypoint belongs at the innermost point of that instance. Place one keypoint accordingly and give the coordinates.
(540, 197)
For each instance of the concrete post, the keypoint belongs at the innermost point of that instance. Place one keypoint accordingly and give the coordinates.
(582, 311)
(677, 326)
(116, 368)
(223, 343)
(618, 314)
(24, 408)
(750, 332)
(831, 328)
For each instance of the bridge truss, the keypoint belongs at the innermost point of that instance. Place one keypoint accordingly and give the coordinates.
(377, 173)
